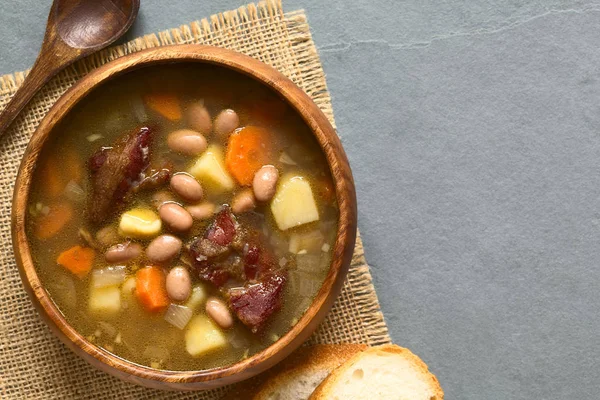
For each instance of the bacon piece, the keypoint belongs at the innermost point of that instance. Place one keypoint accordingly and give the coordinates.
(209, 253)
(116, 170)
(223, 229)
(228, 251)
(256, 302)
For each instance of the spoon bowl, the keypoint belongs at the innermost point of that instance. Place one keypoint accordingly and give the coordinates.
(92, 25)
(75, 29)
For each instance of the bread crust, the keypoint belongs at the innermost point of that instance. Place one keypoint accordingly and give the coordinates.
(322, 392)
(305, 360)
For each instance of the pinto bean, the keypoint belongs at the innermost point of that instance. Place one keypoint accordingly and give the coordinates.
(265, 183)
(187, 142)
(198, 118)
(122, 252)
(187, 187)
(176, 217)
(243, 202)
(218, 311)
(163, 249)
(226, 122)
(179, 284)
(201, 211)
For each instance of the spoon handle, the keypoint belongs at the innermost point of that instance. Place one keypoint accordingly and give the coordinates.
(40, 73)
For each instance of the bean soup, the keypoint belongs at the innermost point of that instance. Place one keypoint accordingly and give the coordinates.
(182, 217)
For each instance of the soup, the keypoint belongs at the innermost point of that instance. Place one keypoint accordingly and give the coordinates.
(182, 217)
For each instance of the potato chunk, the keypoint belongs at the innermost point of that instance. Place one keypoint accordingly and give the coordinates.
(140, 223)
(203, 336)
(210, 170)
(105, 300)
(294, 203)
(308, 241)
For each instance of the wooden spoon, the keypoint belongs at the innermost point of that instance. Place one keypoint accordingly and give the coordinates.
(75, 29)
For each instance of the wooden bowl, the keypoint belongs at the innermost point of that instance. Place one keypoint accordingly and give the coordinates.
(342, 250)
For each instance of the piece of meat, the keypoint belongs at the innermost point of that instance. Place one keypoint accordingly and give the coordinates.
(116, 170)
(209, 253)
(223, 229)
(153, 180)
(256, 302)
(219, 256)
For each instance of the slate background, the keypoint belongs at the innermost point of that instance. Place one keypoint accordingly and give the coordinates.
(472, 129)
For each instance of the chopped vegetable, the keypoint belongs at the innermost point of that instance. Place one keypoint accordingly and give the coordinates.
(63, 288)
(151, 289)
(72, 166)
(74, 192)
(249, 148)
(140, 223)
(309, 241)
(294, 203)
(304, 284)
(210, 170)
(178, 316)
(108, 276)
(165, 104)
(50, 174)
(107, 328)
(285, 158)
(106, 300)
(93, 137)
(77, 260)
(128, 291)
(48, 225)
(203, 336)
(197, 298)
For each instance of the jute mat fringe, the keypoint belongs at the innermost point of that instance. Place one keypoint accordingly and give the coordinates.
(33, 363)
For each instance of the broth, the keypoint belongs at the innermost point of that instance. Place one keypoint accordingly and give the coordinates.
(61, 194)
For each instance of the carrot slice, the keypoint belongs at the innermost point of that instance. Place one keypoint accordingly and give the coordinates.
(166, 105)
(151, 290)
(247, 151)
(51, 178)
(73, 167)
(77, 260)
(50, 224)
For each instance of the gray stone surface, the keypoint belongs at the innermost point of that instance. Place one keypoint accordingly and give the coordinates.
(473, 132)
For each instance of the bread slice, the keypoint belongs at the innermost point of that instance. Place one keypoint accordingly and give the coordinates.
(298, 375)
(385, 372)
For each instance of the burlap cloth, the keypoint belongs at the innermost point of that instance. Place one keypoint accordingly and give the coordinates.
(33, 363)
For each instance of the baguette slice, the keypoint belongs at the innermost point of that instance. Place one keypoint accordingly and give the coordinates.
(297, 376)
(383, 372)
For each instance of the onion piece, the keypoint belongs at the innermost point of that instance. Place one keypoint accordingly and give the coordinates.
(107, 328)
(63, 289)
(74, 192)
(286, 159)
(109, 276)
(178, 316)
(139, 110)
(197, 298)
(303, 284)
(93, 137)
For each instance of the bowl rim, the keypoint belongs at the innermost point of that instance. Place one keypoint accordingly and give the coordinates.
(343, 248)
